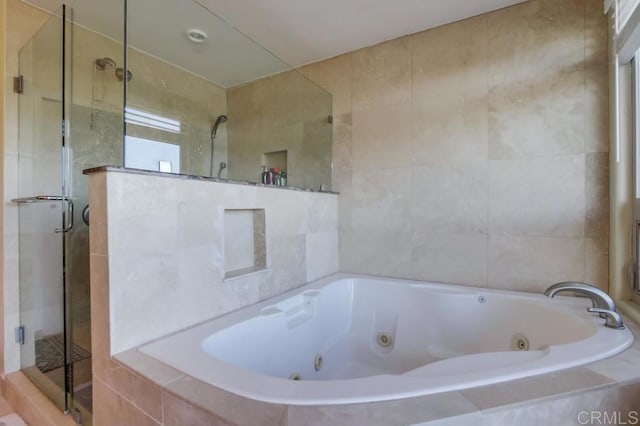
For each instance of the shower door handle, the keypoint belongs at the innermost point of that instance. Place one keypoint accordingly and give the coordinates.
(45, 198)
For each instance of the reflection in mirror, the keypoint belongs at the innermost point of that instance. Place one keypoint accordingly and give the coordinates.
(228, 107)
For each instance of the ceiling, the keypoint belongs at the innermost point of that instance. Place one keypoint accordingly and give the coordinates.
(305, 31)
(297, 31)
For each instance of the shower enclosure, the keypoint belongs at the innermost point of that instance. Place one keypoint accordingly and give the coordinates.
(46, 215)
(151, 98)
(66, 124)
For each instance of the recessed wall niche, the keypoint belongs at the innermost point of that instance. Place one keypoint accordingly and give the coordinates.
(245, 248)
(275, 159)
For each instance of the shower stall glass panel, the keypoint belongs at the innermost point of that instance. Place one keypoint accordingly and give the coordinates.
(62, 127)
(70, 119)
(204, 99)
(43, 212)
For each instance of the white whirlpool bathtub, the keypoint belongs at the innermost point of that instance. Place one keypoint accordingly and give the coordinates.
(351, 339)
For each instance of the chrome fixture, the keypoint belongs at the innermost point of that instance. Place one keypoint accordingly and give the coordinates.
(384, 339)
(86, 214)
(46, 198)
(103, 63)
(223, 166)
(602, 303)
(599, 298)
(120, 74)
(214, 130)
(613, 319)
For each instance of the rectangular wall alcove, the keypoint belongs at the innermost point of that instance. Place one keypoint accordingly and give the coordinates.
(275, 159)
(244, 242)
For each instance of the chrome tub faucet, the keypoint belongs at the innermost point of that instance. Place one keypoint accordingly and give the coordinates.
(602, 303)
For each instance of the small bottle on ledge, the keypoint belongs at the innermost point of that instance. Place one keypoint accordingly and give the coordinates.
(263, 175)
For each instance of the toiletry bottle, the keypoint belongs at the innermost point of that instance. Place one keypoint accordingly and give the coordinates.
(270, 176)
(283, 178)
(263, 176)
(276, 176)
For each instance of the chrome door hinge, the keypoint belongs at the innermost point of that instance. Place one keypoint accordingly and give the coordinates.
(20, 334)
(77, 416)
(18, 84)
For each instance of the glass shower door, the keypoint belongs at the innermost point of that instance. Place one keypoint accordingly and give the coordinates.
(45, 213)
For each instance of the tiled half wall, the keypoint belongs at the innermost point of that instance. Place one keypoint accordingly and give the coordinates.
(162, 241)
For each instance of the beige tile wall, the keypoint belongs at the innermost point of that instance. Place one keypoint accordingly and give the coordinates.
(476, 152)
(164, 244)
(281, 112)
(164, 89)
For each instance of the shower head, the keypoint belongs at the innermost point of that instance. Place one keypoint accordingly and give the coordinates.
(214, 129)
(103, 63)
(120, 74)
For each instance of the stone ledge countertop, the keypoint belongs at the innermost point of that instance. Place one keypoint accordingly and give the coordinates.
(120, 169)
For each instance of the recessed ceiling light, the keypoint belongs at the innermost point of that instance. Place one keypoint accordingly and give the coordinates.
(196, 36)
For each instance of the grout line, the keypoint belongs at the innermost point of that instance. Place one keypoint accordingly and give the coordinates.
(413, 261)
(488, 162)
(127, 400)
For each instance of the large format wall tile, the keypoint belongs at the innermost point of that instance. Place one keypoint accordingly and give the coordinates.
(451, 59)
(596, 79)
(537, 197)
(533, 264)
(596, 262)
(509, 133)
(450, 128)
(335, 76)
(450, 198)
(342, 148)
(536, 79)
(321, 254)
(115, 409)
(536, 39)
(382, 137)
(450, 258)
(597, 195)
(283, 112)
(381, 75)
(449, 94)
(375, 252)
(381, 200)
(539, 116)
(343, 184)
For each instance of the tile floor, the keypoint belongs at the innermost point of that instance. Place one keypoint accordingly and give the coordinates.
(7, 415)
